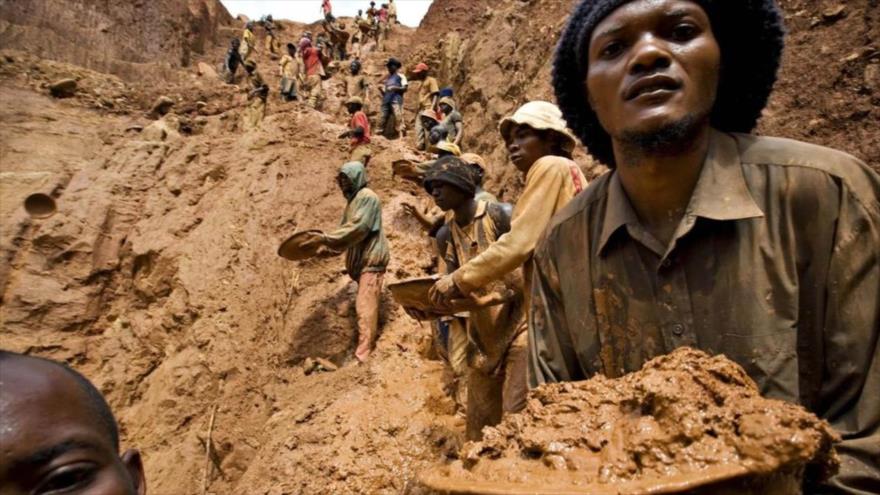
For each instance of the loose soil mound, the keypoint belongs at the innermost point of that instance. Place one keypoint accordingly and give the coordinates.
(684, 417)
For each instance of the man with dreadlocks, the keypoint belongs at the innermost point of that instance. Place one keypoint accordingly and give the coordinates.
(763, 249)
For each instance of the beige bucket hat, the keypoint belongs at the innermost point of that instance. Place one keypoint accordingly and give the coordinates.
(474, 159)
(541, 115)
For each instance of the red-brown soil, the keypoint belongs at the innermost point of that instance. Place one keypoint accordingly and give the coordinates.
(158, 278)
(684, 418)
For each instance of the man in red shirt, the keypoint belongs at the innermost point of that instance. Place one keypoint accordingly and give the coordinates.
(314, 60)
(359, 131)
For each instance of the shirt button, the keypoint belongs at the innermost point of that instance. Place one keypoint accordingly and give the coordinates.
(666, 263)
(678, 329)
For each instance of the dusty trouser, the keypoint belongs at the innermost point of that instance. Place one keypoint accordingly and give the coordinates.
(312, 91)
(244, 50)
(288, 88)
(271, 45)
(457, 348)
(392, 110)
(361, 153)
(367, 307)
(490, 395)
(254, 114)
(422, 134)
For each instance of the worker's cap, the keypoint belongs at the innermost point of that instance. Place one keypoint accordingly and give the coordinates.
(447, 100)
(474, 159)
(250, 64)
(393, 62)
(421, 67)
(449, 147)
(355, 100)
(539, 115)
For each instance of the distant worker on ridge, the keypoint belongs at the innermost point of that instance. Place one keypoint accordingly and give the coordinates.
(452, 120)
(232, 60)
(291, 68)
(314, 59)
(257, 95)
(429, 90)
(248, 41)
(392, 98)
(358, 131)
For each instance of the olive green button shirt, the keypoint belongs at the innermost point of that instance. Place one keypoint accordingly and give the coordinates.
(774, 264)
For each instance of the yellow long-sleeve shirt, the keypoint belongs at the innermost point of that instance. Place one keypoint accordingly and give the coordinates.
(550, 184)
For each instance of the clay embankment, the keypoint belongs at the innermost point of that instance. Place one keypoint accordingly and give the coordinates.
(158, 276)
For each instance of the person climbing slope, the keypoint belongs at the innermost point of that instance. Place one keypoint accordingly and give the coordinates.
(359, 131)
(540, 146)
(257, 95)
(291, 68)
(356, 84)
(452, 120)
(314, 60)
(392, 89)
(232, 60)
(496, 368)
(366, 250)
(428, 91)
(248, 41)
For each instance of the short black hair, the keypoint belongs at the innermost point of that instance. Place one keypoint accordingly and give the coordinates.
(750, 34)
(94, 398)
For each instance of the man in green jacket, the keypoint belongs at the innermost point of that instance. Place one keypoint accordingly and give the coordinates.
(366, 250)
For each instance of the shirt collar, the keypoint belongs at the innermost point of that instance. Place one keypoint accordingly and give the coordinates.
(721, 192)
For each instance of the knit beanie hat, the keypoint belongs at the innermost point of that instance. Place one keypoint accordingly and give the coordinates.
(453, 171)
(749, 32)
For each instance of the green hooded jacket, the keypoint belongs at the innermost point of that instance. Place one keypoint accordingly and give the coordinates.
(360, 233)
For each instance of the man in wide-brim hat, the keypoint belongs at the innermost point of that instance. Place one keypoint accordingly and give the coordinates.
(763, 249)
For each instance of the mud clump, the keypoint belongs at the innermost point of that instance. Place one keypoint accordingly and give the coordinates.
(684, 418)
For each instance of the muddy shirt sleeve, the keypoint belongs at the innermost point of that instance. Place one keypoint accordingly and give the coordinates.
(357, 225)
(551, 355)
(531, 216)
(850, 395)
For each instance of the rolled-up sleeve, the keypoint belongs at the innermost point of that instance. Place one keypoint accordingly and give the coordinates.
(533, 212)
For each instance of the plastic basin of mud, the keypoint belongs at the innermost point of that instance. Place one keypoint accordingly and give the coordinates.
(719, 480)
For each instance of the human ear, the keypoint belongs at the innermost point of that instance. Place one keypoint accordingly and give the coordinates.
(135, 467)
